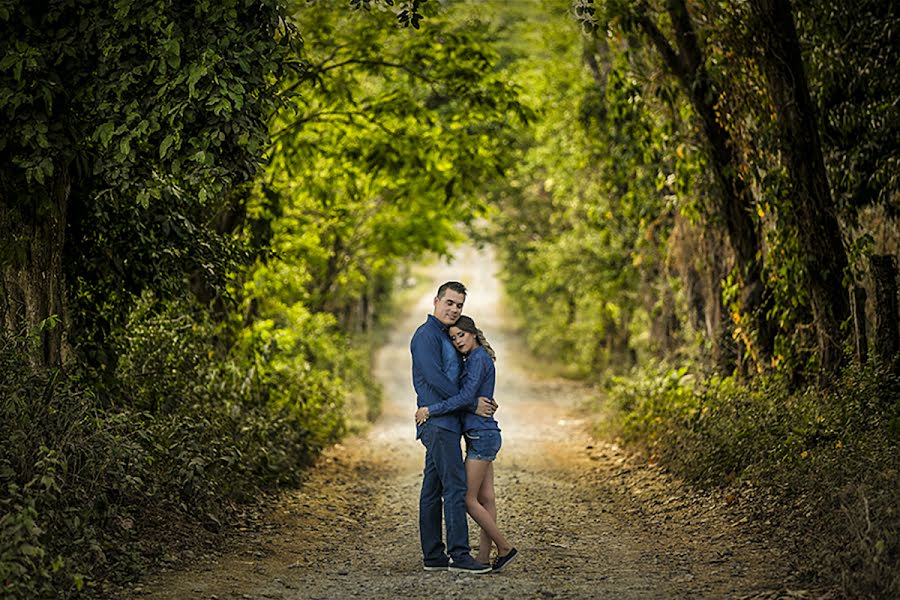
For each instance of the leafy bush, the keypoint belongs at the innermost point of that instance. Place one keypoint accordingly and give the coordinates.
(87, 478)
(831, 457)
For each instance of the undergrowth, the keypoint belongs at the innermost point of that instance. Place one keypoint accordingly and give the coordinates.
(828, 459)
(94, 479)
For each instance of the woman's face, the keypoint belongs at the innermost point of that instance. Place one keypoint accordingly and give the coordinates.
(463, 340)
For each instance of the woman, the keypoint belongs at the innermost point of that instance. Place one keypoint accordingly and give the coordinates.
(482, 438)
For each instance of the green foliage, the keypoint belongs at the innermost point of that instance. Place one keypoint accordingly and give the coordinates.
(130, 126)
(24, 570)
(853, 50)
(583, 222)
(164, 100)
(829, 458)
(639, 160)
(611, 236)
(220, 306)
(383, 148)
(408, 15)
(85, 481)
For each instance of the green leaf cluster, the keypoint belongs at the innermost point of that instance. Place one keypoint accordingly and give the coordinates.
(382, 150)
(130, 126)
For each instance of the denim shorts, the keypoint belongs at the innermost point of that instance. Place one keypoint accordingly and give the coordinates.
(482, 444)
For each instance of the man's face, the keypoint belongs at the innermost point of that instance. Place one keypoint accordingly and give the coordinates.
(448, 308)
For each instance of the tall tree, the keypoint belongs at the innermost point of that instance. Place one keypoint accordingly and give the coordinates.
(687, 61)
(125, 126)
(810, 213)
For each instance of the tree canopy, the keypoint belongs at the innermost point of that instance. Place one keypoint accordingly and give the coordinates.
(205, 208)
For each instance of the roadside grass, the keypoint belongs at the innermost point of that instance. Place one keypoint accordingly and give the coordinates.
(822, 465)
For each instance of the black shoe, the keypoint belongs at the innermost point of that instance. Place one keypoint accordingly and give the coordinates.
(438, 564)
(502, 561)
(467, 564)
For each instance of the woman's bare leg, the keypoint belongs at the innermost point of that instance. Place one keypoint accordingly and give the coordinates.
(476, 471)
(487, 499)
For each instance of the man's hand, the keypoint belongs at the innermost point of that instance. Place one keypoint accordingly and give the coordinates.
(486, 407)
(421, 415)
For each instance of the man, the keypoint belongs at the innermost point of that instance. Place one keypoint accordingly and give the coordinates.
(435, 373)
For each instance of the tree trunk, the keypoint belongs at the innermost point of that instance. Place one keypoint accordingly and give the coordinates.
(887, 339)
(812, 213)
(735, 200)
(32, 286)
(861, 338)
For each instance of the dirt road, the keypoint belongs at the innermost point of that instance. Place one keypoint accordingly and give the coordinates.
(588, 520)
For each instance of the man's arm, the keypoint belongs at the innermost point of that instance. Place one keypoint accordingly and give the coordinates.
(427, 361)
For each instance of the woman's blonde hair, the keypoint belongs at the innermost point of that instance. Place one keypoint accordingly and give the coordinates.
(467, 324)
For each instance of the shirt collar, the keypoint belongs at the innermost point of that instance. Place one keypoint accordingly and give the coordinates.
(434, 320)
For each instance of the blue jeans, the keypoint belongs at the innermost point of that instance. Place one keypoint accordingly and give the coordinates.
(443, 483)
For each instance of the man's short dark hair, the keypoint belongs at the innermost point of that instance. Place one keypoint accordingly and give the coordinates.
(451, 285)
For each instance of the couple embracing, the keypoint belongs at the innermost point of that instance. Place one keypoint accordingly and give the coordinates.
(453, 375)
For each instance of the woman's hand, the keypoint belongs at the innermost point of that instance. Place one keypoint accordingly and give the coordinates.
(422, 415)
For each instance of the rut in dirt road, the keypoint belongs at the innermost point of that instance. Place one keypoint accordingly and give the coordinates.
(589, 521)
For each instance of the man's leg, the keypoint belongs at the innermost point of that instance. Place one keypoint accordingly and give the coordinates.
(447, 459)
(430, 504)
